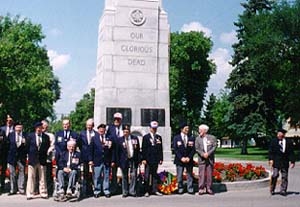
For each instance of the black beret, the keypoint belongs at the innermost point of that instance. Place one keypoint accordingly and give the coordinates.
(282, 131)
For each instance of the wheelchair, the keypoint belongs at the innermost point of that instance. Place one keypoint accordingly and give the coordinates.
(76, 192)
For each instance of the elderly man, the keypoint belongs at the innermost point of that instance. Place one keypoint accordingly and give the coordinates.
(84, 142)
(102, 158)
(128, 156)
(114, 131)
(17, 154)
(68, 167)
(63, 136)
(38, 145)
(152, 156)
(205, 147)
(281, 153)
(184, 148)
(4, 142)
(50, 154)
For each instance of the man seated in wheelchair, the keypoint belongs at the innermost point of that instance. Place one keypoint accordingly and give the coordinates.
(68, 167)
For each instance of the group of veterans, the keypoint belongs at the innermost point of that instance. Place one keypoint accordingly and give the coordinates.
(97, 155)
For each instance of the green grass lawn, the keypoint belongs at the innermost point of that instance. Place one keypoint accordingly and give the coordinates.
(254, 153)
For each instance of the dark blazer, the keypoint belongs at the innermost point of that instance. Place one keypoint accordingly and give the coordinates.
(36, 155)
(63, 160)
(122, 156)
(102, 152)
(182, 151)
(112, 134)
(61, 142)
(85, 148)
(16, 153)
(152, 150)
(4, 144)
(281, 160)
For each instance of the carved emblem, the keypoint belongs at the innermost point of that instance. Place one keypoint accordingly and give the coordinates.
(137, 17)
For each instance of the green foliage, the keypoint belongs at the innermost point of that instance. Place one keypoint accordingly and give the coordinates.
(265, 81)
(28, 87)
(190, 70)
(83, 111)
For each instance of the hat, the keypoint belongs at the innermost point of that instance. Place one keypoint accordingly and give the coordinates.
(38, 124)
(282, 131)
(126, 127)
(101, 126)
(117, 115)
(182, 125)
(8, 117)
(154, 124)
(18, 123)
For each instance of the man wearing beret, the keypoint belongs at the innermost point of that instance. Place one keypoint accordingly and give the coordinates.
(38, 145)
(128, 157)
(281, 154)
(184, 148)
(152, 156)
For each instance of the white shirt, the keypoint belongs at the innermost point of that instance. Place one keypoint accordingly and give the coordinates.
(18, 139)
(283, 141)
(129, 146)
(205, 144)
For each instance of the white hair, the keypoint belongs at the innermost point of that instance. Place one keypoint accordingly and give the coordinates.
(90, 121)
(204, 127)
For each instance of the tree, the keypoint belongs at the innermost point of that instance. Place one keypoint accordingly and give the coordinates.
(190, 70)
(28, 87)
(266, 68)
(208, 113)
(83, 111)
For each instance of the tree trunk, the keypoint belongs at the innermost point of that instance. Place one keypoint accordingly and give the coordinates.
(244, 146)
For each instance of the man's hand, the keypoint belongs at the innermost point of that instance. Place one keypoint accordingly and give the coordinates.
(271, 162)
(183, 159)
(113, 164)
(67, 170)
(161, 162)
(205, 155)
(292, 165)
(91, 163)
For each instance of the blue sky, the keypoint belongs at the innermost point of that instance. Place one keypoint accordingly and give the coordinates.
(71, 29)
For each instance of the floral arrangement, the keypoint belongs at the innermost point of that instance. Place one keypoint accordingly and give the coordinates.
(168, 182)
(236, 172)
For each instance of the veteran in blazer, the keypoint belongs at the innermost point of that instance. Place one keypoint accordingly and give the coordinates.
(38, 145)
(68, 167)
(17, 154)
(184, 148)
(63, 136)
(84, 143)
(128, 158)
(281, 157)
(152, 156)
(103, 156)
(205, 145)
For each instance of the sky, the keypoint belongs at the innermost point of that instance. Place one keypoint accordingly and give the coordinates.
(71, 30)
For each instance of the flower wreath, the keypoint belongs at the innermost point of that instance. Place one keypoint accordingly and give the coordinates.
(168, 182)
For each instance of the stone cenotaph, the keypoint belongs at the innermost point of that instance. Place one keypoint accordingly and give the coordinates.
(133, 67)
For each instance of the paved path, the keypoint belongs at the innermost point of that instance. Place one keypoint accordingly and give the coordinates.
(249, 198)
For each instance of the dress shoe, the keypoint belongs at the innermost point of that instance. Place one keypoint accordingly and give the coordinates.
(180, 191)
(97, 195)
(283, 193)
(191, 193)
(29, 198)
(157, 193)
(210, 192)
(272, 192)
(201, 192)
(147, 194)
(124, 195)
(12, 193)
(44, 197)
(107, 196)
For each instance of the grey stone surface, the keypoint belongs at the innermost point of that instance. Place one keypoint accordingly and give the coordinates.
(133, 62)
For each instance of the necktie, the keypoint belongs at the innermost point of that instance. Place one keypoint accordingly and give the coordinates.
(39, 141)
(281, 145)
(89, 137)
(205, 144)
(18, 140)
(102, 139)
(118, 131)
(66, 135)
(69, 160)
(185, 140)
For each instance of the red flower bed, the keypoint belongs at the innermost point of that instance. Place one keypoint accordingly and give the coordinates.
(236, 172)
